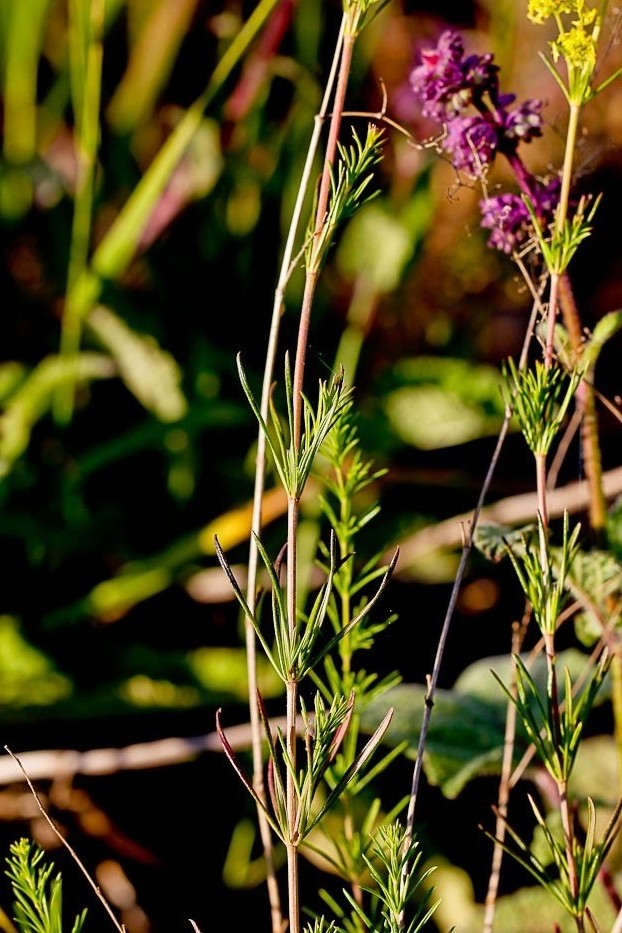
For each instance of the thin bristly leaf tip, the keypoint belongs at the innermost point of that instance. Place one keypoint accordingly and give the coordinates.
(224, 563)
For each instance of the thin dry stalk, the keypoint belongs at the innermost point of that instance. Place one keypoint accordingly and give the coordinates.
(518, 634)
(260, 471)
(119, 926)
(468, 532)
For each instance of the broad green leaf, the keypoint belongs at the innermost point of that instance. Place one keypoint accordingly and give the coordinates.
(530, 909)
(477, 681)
(595, 775)
(149, 372)
(467, 726)
(595, 577)
(434, 403)
(27, 677)
(377, 245)
(465, 737)
(224, 670)
(614, 528)
(493, 539)
(148, 693)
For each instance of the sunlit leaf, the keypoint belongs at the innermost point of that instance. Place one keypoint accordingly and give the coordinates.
(23, 30)
(148, 371)
(528, 908)
(377, 245)
(147, 693)
(33, 398)
(224, 670)
(493, 539)
(27, 676)
(435, 402)
(467, 726)
(595, 579)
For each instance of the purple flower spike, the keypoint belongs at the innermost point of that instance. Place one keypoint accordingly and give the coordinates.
(438, 81)
(546, 198)
(472, 143)
(508, 219)
(523, 123)
(447, 83)
(482, 76)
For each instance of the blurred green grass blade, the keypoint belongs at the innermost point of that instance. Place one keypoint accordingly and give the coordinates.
(121, 241)
(23, 36)
(78, 30)
(150, 64)
(86, 26)
(22, 27)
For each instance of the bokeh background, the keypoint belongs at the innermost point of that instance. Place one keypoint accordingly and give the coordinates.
(126, 442)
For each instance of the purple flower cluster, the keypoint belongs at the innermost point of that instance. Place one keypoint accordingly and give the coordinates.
(447, 83)
(507, 217)
(462, 93)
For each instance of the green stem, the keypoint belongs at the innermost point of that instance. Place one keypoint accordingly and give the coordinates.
(260, 471)
(86, 86)
(543, 510)
(562, 784)
(571, 141)
(490, 904)
(292, 702)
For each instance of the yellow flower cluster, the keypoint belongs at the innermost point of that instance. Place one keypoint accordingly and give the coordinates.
(538, 11)
(577, 46)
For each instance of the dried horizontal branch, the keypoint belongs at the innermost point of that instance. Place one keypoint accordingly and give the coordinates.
(515, 510)
(53, 764)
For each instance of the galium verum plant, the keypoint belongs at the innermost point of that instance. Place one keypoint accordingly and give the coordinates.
(298, 644)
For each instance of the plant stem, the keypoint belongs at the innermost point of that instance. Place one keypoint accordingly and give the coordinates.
(260, 470)
(571, 141)
(432, 680)
(562, 783)
(293, 503)
(542, 504)
(466, 550)
(320, 218)
(551, 319)
(290, 737)
(518, 635)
